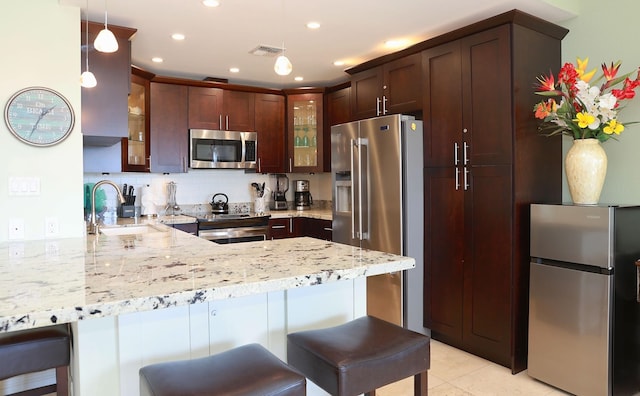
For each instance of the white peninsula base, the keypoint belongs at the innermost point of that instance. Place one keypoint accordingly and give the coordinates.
(109, 351)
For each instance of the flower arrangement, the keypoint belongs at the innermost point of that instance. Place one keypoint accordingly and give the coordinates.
(585, 111)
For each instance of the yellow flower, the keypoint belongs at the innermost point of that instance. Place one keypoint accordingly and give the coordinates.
(613, 127)
(582, 70)
(584, 119)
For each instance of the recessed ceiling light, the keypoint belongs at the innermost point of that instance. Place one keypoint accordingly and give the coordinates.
(211, 3)
(177, 36)
(338, 63)
(234, 70)
(299, 78)
(157, 59)
(313, 25)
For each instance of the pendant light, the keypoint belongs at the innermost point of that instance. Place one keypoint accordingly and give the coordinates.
(283, 65)
(87, 79)
(106, 41)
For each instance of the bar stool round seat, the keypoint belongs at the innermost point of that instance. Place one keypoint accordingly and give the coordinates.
(360, 356)
(33, 350)
(246, 370)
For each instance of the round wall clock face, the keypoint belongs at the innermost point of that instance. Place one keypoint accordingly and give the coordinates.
(39, 116)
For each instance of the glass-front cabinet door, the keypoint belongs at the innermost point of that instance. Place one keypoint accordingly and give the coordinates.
(305, 132)
(135, 149)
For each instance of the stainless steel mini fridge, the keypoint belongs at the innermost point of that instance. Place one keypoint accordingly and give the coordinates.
(584, 322)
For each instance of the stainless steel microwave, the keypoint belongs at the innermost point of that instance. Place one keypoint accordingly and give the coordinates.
(209, 149)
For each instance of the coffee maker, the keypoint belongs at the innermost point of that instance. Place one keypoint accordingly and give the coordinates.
(279, 188)
(302, 195)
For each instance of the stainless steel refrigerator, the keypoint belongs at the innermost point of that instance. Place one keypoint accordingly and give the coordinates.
(377, 176)
(584, 314)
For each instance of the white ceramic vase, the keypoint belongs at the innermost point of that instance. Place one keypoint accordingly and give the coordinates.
(586, 168)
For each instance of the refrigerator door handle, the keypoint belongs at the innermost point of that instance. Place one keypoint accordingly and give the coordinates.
(363, 187)
(378, 101)
(465, 154)
(457, 178)
(355, 185)
(466, 178)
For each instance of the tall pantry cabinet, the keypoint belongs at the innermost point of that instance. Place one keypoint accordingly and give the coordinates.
(485, 163)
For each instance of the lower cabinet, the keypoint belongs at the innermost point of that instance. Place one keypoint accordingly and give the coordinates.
(190, 228)
(290, 227)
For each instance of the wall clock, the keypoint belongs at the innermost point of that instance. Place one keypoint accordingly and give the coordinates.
(39, 116)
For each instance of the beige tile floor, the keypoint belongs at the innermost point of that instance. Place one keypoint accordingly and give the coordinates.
(457, 373)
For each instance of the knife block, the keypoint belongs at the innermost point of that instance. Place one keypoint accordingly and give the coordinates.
(126, 210)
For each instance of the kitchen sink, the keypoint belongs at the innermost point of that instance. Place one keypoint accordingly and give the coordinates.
(130, 229)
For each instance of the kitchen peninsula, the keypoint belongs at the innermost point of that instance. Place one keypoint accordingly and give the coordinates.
(163, 294)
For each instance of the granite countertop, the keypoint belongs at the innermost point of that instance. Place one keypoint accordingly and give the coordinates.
(65, 280)
(324, 214)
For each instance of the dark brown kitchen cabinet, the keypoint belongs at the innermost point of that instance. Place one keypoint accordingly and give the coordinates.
(219, 109)
(393, 88)
(314, 228)
(190, 228)
(305, 133)
(485, 163)
(270, 126)
(104, 107)
(135, 147)
(169, 133)
(281, 228)
(337, 111)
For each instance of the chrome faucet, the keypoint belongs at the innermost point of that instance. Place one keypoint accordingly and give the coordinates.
(93, 222)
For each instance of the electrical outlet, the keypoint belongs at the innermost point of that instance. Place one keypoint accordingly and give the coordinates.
(51, 227)
(16, 228)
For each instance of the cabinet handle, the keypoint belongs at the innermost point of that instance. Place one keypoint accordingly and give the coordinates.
(184, 164)
(384, 104)
(457, 178)
(377, 106)
(227, 122)
(290, 165)
(277, 227)
(291, 225)
(466, 178)
(328, 229)
(465, 153)
(456, 160)
(220, 121)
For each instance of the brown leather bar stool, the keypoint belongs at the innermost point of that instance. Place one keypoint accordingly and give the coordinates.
(245, 370)
(30, 351)
(360, 356)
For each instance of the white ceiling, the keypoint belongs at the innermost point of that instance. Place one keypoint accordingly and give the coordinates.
(351, 30)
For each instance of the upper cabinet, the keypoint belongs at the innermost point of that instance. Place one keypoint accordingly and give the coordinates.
(305, 132)
(135, 148)
(270, 125)
(392, 88)
(337, 111)
(219, 109)
(169, 133)
(104, 107)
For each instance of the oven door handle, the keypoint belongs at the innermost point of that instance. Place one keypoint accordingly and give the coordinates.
(239, 232)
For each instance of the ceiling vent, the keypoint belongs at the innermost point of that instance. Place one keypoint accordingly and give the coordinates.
(266, 50)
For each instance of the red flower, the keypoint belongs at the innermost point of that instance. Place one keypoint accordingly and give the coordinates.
(610, 72)
(546, 83)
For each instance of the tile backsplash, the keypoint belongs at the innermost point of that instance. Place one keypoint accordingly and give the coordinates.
(196, 188)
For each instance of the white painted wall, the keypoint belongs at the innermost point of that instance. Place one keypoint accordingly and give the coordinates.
(41, 47)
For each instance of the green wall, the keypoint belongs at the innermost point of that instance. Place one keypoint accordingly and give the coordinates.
(607, 32)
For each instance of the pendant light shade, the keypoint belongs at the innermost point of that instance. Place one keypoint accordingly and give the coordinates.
(106, 41)
(87, 79)
(283, 65)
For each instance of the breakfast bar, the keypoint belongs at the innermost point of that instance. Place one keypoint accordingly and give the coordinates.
(152, 293)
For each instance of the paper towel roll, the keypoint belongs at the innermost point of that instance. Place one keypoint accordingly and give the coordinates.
(148, 201)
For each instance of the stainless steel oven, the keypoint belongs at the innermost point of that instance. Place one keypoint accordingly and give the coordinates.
(233, 228)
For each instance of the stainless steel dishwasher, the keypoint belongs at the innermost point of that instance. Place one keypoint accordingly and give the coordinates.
(583, 313)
